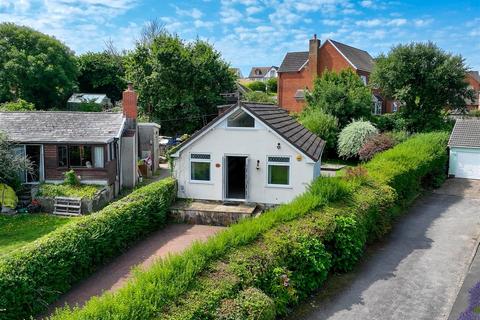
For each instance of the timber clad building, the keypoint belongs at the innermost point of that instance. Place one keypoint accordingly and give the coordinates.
(299, 69)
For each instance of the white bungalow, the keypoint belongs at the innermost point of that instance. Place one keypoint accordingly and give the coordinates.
(251, 153)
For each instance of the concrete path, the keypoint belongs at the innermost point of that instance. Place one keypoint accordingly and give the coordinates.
(417, 271)
(171, 239)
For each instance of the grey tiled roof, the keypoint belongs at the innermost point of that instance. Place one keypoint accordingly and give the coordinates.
(361, 59)
(290, 129)
(466, 133)
(263, 71)
(66, 127)
(293, 61)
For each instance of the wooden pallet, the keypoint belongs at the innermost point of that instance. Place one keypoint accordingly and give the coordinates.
(68, 206)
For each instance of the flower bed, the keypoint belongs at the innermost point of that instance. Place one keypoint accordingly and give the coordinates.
(87, 191)
(277, 259)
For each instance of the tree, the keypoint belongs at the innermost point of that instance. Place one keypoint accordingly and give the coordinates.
(35, 67)
(10, 163)
(179, 84)
(353, 137)
(102, 72)
(426, 80)
(19, 105)
(257, 96)
(322, 124)
(342, 95)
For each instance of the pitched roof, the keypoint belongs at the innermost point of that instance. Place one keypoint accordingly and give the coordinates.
(279, 121)
(465, 133)
(475, 75)
(59, 126)
(293, 61)
(263, 71)
(290, 129)
(360, 59)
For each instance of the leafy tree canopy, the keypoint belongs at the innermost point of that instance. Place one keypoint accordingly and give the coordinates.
(102, 72)
(425, 79)
(322, 124)
(342, 95)
(35, 67)
(272, 85)
(18, 105)
(257, 86)
(179, 84)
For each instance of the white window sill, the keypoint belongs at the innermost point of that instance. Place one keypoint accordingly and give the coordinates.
(201, 182)
(281, 186)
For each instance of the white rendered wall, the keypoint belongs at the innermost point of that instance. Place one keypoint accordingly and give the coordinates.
(255, 143)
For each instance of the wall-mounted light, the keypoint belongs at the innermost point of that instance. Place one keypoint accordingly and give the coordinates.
(258, 164)
(278, 146)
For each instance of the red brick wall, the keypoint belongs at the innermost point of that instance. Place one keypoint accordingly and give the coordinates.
(288, 84)
(331, 59)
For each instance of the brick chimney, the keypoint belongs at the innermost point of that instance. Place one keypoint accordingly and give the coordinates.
(313, 53)
(129, 103)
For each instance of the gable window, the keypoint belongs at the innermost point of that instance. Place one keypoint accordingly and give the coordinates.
(278, 171)
(240, 119)
(200, 167)
(395, 106)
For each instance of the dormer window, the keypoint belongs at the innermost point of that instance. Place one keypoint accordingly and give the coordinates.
(240, 119)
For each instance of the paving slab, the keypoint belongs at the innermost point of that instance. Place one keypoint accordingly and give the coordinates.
(416, 272)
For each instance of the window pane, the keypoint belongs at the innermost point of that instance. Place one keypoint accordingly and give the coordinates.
(62, 156)
(99, 151)
(201, 171)
(278, 174)
(87, 156)
(241, 119)
(74, 156)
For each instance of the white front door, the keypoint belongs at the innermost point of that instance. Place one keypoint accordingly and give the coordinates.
(468, 165)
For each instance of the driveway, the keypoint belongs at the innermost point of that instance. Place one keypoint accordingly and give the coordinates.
(417, 271)
(171, 239)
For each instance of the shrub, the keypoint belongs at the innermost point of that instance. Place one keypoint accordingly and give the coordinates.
(256, 96)
(349, 240)
(389, 122)
(474, 113)
(257, 86)
(272, 84)
(18, 105)
(35, 275)
(353, 136)
(398, 136)
(374, 145)
(71, 178)
(65, 190)
(322, 124)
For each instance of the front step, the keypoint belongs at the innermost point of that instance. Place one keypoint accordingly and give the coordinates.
(211, 213)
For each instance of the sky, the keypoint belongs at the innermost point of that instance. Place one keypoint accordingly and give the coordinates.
(257, 32)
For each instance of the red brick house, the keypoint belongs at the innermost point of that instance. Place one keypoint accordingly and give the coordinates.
(299, 69)
(473, 79)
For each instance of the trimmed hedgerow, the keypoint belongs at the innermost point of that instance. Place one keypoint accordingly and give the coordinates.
(35, 275)
(285, 253)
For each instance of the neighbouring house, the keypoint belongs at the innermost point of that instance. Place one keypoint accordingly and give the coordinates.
(473, 79)
(251, 152)
(299, 69)
(149, 144)
(464, 144)
(101, 147)
(263, 73)
(99, 99)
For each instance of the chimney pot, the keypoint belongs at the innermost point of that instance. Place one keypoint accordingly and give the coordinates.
(129, 104)
(314, 36)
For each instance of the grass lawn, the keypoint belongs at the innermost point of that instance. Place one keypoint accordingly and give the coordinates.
(18, 230)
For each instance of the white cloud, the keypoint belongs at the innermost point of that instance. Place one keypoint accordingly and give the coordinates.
(230, 15)
(369, 23)
(397, 22)
(253, 10)
(366, 3)
(422, 22)
(193, 13)
(203, 24)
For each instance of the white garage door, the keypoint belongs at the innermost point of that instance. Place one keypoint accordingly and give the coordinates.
(468, 165)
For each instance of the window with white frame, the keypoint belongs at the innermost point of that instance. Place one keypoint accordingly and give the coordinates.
(278, 171)
(364, 79)
(200, 167)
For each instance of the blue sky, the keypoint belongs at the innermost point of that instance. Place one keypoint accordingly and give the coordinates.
(258, 32)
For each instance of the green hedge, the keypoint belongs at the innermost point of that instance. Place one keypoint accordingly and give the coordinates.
(286, 253)
(38, 273)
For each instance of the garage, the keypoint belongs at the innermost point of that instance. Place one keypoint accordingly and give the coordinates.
(464, 147)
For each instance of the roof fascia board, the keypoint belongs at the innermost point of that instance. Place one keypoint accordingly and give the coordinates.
(339, 51)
